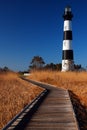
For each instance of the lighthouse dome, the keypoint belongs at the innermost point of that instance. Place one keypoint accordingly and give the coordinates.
(68, 9)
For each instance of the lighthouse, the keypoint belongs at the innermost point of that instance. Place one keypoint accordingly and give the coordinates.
(67, 52)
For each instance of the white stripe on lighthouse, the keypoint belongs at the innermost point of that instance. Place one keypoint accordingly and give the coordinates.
(67, 25)
(67, 44)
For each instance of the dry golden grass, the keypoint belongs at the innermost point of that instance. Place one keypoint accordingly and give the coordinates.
(15, 94)
(74, 81)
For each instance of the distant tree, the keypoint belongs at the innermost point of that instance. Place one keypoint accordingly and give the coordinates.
(59, 66)
(1, 70)
(37, 63)
(77, 67)
(5, 69)
(50, 66)
(53, 66)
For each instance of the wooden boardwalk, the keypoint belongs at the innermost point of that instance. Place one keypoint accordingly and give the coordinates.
(54, 112)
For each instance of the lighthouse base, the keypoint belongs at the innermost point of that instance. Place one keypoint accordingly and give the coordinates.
(67, 65)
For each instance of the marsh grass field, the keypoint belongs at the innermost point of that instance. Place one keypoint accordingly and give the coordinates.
(73, 81)
(15, 94)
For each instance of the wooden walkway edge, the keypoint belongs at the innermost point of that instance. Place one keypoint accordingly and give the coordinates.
(54, 112)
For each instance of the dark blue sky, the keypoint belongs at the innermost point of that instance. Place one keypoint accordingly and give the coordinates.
(35, 27)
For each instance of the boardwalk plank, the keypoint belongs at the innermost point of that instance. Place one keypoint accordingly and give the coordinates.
(55, 113)
(51, 110)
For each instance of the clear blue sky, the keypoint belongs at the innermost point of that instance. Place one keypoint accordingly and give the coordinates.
(35, 27)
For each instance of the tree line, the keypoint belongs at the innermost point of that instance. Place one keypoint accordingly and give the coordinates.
(37, 63)
(4, 69)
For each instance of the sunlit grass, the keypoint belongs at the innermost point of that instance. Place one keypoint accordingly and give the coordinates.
(74, 81)
(15, 94)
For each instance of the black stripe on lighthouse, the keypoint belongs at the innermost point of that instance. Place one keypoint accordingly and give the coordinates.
(67, 35)
(67, 54)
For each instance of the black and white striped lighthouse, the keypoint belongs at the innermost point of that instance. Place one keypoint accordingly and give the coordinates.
(67, 52)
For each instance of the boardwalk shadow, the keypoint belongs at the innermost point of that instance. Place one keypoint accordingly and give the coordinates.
(25, 120)
(80, 111)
